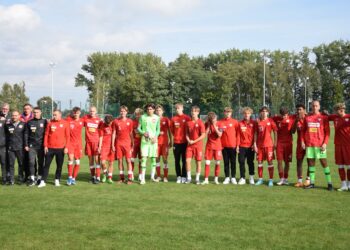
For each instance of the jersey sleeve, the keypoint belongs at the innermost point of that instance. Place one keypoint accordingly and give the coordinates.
(327, 130)
(46, 137)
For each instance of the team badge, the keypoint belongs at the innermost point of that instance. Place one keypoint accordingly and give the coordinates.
(61, 125)
(268, 124)
(41, 125)
(127, 124)
(230, 124)
(20, 126)
(183, 120)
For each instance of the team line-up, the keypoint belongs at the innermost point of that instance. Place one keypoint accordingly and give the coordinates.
(35, 142)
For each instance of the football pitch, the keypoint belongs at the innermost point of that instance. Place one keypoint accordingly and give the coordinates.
(175, 216)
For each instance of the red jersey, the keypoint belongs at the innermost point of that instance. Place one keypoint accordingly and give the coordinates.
(105, 131)
(123, 129)
(164, 128)
(284, 128)
(57, 134)
(178, 128)
(91, 128)
(194, 130)
(75, 128)
(300, 129)
(214, 141)
(135, 132)
(316, 130)
(246, 131)
(342, 129)
(230, 132)
(264, 129)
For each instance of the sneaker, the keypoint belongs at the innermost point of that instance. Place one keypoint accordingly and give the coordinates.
(178, 180)
(216, 182)
(183, 179)
(92, 180)
(142, 182)
(165, 179)
(330, 187)
(159, 178)
(139, 177)
(129, 182)
(226, 181)
(188, 181)
(242, 181)
(307, 183)
(57, 183)
(270, 184)
(154, 180)
(259, 182)
(109, 181)
(281, 182)
(343, 188)
(38, 181)
(42, 184)
(198, 182)
(120, 181)
(251, 180)
(104, 178)
(299, 184)
(69, 181)
(309, 186)
(234, 181)
(31, 183)
(73, 182)
(286, 182)
(205, 182)
(97, 181)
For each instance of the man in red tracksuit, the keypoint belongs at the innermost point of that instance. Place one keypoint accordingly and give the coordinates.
(56, 143)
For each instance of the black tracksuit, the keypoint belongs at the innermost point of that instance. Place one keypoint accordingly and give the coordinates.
(3, 150)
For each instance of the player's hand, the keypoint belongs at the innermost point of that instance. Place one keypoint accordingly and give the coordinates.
(26, 148)
(146, 134)
(65, 150)
(303, 145)
(237, 149)
(154, 140)
(170, 144)
(46, 150)
(323, 147)
(113, 148)
(255, 148)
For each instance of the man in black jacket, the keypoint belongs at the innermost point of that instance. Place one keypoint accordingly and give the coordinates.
(14, 142)
(3, 150)
(34, 144)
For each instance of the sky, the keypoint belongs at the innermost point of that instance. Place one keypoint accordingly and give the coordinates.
(34, 33)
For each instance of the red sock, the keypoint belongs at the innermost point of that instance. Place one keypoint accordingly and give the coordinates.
(158, 171)
(76, 171)
(129, 175)
(92, 171)
(348, 174)
(166, 172)
(271, 172)
(121, 176)
(260, 171)
(70, 170)
(98, 172)
(207, 171)
(280, 173)
(286, 175)
(217, 170)
(342, 174)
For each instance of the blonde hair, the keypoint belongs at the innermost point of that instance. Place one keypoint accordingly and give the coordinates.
(338, 106)
(247, 109)
(138, 111)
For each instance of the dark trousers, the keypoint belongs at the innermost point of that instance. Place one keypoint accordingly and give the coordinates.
(33, 155)
(3, 163)
(229, 155)
(58, 153)
(12, 156)
(180, 154)
(246, 153)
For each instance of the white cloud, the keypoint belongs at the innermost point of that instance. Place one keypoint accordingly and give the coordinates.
(17, 18)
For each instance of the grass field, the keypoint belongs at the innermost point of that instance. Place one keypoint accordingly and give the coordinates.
(175, 216)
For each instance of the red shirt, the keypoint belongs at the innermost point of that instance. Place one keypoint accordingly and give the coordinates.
(342, 129)
(230, 132)
(284, 128)
(178, 128)
(105, 131)
(164, 128)
(246, 131)
(264, 129)
(316, 130)
(194, 130)
(214, 141)
(91, 128)
(300, 129)
(135, 132)
(123, 129)
(75, 128)
(57, 134)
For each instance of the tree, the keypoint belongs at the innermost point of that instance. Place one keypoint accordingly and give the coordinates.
(14, 95)
(45, 103)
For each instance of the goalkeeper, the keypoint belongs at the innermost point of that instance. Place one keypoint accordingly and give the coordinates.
(149, 128)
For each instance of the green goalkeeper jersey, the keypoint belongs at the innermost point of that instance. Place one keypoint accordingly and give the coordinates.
(149, 124)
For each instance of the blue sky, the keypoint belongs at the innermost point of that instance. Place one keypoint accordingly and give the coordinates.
(33, 33)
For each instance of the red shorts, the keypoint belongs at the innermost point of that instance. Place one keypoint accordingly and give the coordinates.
(163, 150)
(210, 153)
(300, 153)
(194, 152)
(75, 150)
(284, 152)
(342, 154)
(107, 154)
(91, 149)
(123, 150)
(265, 154)
(136, 151)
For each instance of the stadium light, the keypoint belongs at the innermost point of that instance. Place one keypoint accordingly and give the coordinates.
(172, 83)
(306, 99)
(52, 65)
(263, 54)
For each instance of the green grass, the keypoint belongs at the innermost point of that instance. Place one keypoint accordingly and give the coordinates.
(173, 216)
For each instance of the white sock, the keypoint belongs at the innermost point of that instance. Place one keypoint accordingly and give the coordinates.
(197, 176)
(300, 180)
(188, 174)
(153, 172)
(216, 178)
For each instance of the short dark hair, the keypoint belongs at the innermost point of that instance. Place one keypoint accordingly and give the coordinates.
(150, 105)
(75, 109)
(28, 104)
(264, 108)
(284, 110)
(108, 119)
(58, 110)
(37, 108)
(300, 105)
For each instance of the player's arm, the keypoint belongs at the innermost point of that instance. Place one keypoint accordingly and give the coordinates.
(275, 136)
(238, 137)
(132, 138)
(302, 135)
(46, 137)
(295, 125)
(114, 137)
(217, 130)
(255, 138)
(25, 137)
(67, 135)
(187, 135)
(140, 128)
(327, 132)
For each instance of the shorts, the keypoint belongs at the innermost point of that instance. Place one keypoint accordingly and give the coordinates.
(163, 150)
(136, 151)
(210, 153)
(342, 155)
(91, 149)
(265, 154)
(149, 149)
(315, 153)
(300, 153)
(123, 150)
(107, 154)
(284, 152)
(75, 150)
(194, 152)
